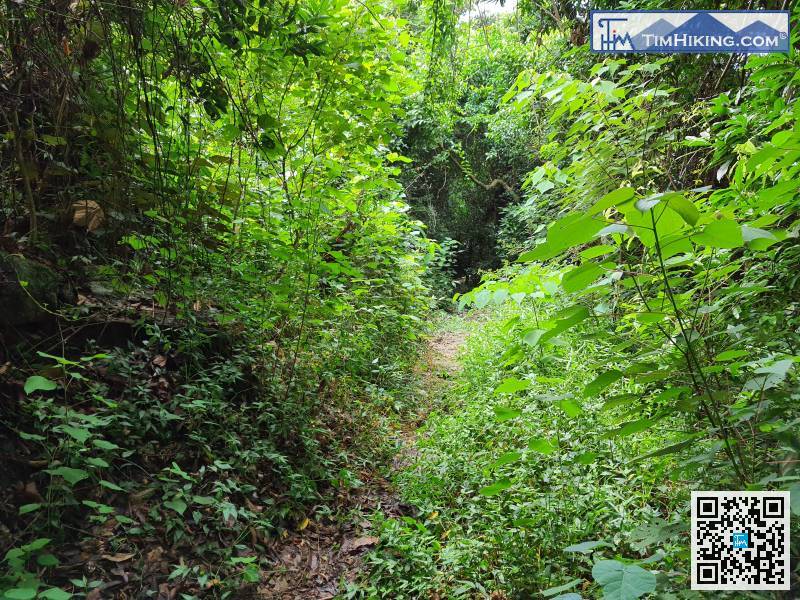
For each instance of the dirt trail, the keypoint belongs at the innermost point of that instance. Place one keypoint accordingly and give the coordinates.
(312, 563)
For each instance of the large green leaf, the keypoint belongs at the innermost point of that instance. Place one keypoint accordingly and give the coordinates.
(667, 223)
(623, 582)
(586, 547)
(580, 277)
(722, 233)
(512, 385)
(685, 208)
(574, 315)
(615, 198)
(542, 252)
(506, 459)
(178, 505)
(496, 487)
(69, 474)
(671, 449)
(631, 427)
(561, 588)
(36, 383)
(81, 434)
(541, 445)
(601, 382)
(503, 413)
(574, 229)
(570, 407)
(20, 593)
(55, 594)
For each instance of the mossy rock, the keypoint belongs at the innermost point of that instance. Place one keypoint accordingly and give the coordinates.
(22, 306)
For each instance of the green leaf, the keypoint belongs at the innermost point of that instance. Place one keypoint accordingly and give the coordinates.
(134, 241)
(541, 445)
(671, 449)
(685, 208)
(586, 547)
(613, 228)
(631, 427)
(541, 252)
(78, 433)
(620, 400)
(507, 458)
(178, 505)
(533, 336)
(512, 385)
(575, 315)
(615, 198)
(29, 508)
(496, 487)
(104, 445)
(503, 414)
(72, 476)
(730, 355)
(20, 593)
(650, 317)
(670, 393)
(47, 560)
(570, 407)
(55, 594)
(111, 486)
(601, 382)
(794, 499)
(36, 544)
(586, 458)
(580, 277)
(623, 582)
(103, 509)
(561, 588)
(36, 383)
(574, 229)
(722, 233)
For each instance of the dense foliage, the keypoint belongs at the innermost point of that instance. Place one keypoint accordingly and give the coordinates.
(213, 182)
(227, 224)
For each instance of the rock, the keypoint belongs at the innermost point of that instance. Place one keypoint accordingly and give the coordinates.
(22, 306)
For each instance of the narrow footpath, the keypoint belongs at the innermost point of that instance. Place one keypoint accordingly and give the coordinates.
(315, 561)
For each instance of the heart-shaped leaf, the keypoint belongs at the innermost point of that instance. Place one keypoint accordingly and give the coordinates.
(621, 581)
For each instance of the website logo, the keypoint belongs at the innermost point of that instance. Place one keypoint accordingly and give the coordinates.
(740, 539)
(660, 31)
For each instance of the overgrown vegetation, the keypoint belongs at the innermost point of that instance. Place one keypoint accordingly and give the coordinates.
(227, 226)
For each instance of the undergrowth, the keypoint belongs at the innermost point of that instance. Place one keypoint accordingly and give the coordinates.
(514, 495)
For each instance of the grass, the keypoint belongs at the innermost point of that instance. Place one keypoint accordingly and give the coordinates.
(504, 485)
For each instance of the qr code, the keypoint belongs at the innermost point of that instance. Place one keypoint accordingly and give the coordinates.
(740, 540)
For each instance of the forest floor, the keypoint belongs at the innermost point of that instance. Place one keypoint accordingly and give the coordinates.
(314, 562)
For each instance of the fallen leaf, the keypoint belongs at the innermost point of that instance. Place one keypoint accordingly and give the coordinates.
(88, 214)
(29, 493)
(117, 558)
(352, 545)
